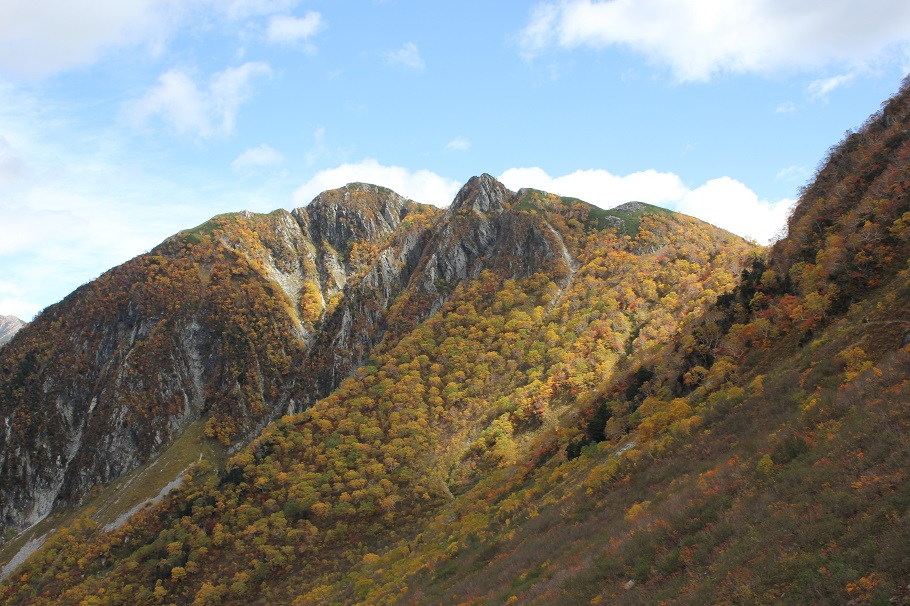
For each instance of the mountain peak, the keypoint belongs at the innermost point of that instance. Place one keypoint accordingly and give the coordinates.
(360, 197)
(357, 211)
(484, 194)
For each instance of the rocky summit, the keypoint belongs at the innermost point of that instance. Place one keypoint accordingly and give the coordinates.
(246, 318)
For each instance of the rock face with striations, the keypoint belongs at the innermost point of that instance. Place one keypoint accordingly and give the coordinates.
(9, 326)
(236, 322)
(217, 324)
(479, 233)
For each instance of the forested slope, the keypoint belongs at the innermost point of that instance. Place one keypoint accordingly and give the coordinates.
(217, 324)
(534, 302)
(574, 406)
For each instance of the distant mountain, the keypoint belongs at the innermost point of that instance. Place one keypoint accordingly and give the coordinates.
(522, 399)
(9, 326)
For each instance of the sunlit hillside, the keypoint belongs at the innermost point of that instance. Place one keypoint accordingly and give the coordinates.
(520, 400)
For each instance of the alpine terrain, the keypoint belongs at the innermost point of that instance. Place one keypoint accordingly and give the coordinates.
(520, 399)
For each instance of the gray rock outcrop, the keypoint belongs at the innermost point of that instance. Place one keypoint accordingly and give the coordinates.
(9, 326)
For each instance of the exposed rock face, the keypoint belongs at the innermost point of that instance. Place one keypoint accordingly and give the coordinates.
(239, 321)
(483, 194)
(356, 213)
(479, 234)
(108, 377)
(9, 326)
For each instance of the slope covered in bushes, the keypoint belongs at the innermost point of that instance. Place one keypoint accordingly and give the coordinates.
(596, 408)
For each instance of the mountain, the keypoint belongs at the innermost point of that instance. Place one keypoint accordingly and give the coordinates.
(520, 399)
(9, 326)
(219, 322)
(248, 317)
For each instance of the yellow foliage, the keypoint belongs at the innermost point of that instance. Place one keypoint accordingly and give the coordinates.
(855, 361)
(765, 466)
(637, 511)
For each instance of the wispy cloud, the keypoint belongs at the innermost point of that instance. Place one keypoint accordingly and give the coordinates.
(787, 107)
(190, 110)
(257, 157)
(72, 212)
(245, 9)
(12, 167)
(792, 173)
(62, 233)
(319, 148)
(459, 144)
(285, 29)
(407, 56)
(42, 37)
(39, 38)
(820, 89)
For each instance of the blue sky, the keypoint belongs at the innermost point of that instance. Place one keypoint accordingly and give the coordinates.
(124, 121)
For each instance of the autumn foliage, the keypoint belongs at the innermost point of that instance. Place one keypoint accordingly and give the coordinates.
(658, 412)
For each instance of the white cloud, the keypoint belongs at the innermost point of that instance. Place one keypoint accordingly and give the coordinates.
(408, 56)
(421, 185)
(600, 187)
(820, 89)
(41, 37)
(254, 157)
(723, 202)
(904, 53)
(285, 29)
(190, 110)
(72, 221)
(12, 302)
(541, 30)
(787, 107)
(55, 239)
(697, 39)
(729, 204)
(459, 144)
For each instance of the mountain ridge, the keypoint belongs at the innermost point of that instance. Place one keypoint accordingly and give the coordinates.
(331, 274)
(561, 405)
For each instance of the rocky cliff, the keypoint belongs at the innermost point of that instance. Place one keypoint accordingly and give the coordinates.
(238, 321)
(218, 323)
(9, 326)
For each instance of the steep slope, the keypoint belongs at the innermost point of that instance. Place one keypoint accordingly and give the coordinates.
(759, 458)
(239, 320)
(217, 323)
(9, 326)
(520, 311)
(639, 420)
